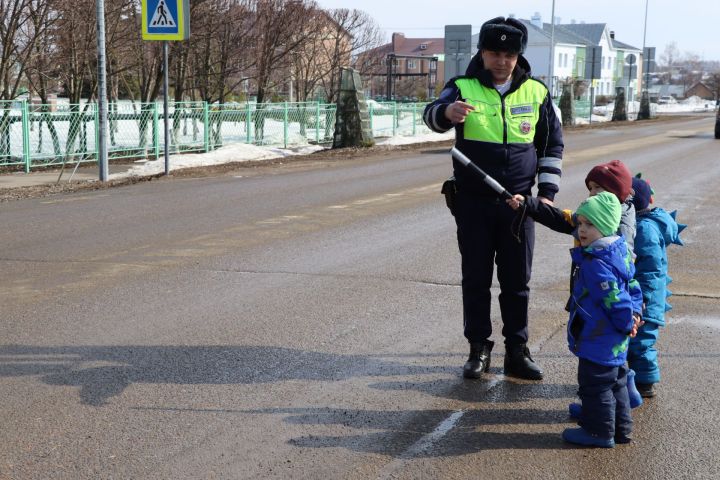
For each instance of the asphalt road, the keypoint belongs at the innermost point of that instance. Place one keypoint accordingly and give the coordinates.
(304, 321)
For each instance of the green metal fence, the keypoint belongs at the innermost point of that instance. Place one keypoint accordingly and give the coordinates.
(283, 124)
(582, 108)
(14, 133)
(388, 119)
(34, 135)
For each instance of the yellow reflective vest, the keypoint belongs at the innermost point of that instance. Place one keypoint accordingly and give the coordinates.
(497, 120)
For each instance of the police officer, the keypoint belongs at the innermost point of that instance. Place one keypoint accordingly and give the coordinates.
(505, 122)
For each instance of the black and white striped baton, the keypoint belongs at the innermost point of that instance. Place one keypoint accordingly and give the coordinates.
(489, 181)
(492, 183)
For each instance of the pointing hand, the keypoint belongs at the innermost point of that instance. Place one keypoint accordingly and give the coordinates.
(456, 112)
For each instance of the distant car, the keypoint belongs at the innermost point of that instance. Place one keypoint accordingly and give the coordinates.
(666, 99)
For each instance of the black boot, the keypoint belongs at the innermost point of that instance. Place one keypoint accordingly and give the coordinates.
(518, 363)
(479, 359)
(646, 390)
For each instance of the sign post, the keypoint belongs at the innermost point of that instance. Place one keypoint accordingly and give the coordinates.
(458, 49)
(166, 20)
(593, 69)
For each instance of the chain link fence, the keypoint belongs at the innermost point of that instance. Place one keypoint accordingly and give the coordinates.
(34, 135)
(388, 119)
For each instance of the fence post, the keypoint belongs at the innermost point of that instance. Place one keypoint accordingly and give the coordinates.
(248, 122)
(370, 111)
(206, 123)
(317, 123)
(156, 136)
(395, 118)
(25, 135)
(285, 123)
(97, 133)
(414, 118)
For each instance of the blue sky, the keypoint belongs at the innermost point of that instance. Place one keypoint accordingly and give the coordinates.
(691, 27)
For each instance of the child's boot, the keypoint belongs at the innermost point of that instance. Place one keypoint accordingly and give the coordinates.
(635, 396)
(580, 436)
(575, 409)
(622, 438)
(646, 390)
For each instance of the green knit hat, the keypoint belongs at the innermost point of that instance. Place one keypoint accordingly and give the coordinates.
(603, 210)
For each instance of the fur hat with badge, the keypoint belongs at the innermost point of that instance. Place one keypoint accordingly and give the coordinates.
(613, 177)
(503, 35)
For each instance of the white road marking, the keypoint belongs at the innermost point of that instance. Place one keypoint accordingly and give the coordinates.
(427, 442)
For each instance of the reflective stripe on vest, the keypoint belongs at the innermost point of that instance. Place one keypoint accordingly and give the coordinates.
(485, 123)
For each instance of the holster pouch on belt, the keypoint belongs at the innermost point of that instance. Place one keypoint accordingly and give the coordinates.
(449, 190)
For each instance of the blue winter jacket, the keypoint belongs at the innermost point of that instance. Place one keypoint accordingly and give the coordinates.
(604, 298)
(656, 229)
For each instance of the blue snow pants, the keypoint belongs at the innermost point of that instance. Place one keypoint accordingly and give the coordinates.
(605, 401)
(642, 355)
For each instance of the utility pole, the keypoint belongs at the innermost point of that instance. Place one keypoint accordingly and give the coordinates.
(551, 64)
(102, 92)
(647, 70)
(644, 112)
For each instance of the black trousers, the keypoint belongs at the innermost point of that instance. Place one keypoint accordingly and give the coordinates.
(605, 401)
(485, 237)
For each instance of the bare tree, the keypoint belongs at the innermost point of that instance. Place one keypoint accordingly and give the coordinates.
(222, 39)
(119, 34)
(670, 54)
(667, 61)
(77, 47)
(309, 62)
(279, 32)
(338, 37)
(713, 83)
(41, 69)
(373, 67)
(77, 56)
(18, 35)
(692, 70)
(22, 25)
(354, 32)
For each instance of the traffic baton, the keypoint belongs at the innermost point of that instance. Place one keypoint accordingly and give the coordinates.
(489, 181)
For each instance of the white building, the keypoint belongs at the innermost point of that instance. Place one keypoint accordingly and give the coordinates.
(571, 50)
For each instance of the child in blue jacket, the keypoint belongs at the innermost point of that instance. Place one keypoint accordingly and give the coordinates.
(601, 322)
(613, 177)
(656, 229)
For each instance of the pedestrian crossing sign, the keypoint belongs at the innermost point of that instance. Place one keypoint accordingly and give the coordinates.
(165, 19)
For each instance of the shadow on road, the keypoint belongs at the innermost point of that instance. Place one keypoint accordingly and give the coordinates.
(509, 390)
(102, 372)
(467, 436)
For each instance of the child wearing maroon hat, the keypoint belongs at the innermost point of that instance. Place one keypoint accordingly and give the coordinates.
(615, 177)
